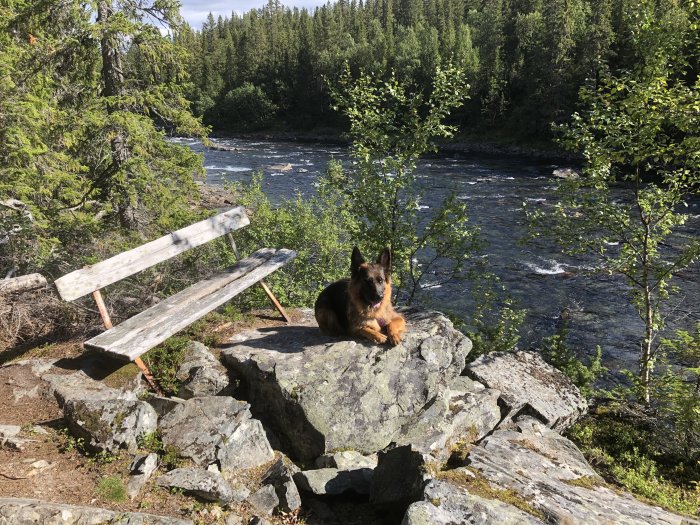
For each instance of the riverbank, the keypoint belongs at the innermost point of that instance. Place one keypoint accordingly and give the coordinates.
(465, 145)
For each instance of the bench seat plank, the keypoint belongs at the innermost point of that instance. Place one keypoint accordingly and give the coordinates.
(142, 332)
(94, 277)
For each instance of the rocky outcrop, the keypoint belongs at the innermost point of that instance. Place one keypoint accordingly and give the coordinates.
(20, 510)
(462, 413)
(529, 386)
(217, 430)
(319, 393)
(201, 373)
(549, 471)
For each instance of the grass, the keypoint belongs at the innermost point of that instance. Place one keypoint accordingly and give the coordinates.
(627, 454)
(111, 488)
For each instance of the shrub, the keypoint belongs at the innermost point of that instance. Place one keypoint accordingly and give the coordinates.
(247, 108)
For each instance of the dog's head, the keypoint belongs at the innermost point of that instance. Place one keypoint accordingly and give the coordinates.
(372, 279)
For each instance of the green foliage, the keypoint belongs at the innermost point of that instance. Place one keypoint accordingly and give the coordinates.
(83, 150)
(390, 128)
(639, 136)
(164, 361)
(246, 108)
(318, 229)
(629, 447)
(557, 352)
(496, 321)
(677, 392)
(111, 488)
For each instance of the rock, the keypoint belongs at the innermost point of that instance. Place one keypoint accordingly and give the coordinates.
(201, 373)
(400, 477)
(211, 429)
(163, 405)
(21, 511)
(280, 475)
(460, 415)
(110, 424)
(232, 519)
(280, 167)
(447, 504)
(141, 469)
(529, 386)
(346, 460)
(206, 485)
(9, 438)
(264, 500)
(332, 481)
(549, 471)
(566, 173)
(79, 386)
(319, 393)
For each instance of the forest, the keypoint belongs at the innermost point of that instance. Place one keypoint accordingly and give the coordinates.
(525, 60)
(93, 95)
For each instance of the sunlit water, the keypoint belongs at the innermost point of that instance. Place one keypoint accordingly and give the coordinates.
(538, 276)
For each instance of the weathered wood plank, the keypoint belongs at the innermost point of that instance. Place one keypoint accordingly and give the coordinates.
(87, 280)
(23, 283)
(142, 332)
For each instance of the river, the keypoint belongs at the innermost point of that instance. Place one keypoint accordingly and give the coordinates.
(538, 276)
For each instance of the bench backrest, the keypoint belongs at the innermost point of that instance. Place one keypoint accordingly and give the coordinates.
(97, 276)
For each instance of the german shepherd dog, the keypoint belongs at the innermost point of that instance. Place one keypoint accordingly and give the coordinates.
(361, 305)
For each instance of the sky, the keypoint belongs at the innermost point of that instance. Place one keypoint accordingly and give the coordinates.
(196, 11)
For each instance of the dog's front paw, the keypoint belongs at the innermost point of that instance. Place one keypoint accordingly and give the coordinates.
(379, 338)
(394, 338)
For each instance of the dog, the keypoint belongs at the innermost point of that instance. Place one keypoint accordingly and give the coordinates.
(361, 306)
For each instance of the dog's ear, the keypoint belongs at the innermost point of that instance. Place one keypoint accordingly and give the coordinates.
(356, 260)
(385, 260)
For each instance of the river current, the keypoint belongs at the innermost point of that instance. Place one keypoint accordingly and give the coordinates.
(542, 280)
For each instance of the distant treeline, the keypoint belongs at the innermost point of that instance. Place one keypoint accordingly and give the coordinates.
(525, 59)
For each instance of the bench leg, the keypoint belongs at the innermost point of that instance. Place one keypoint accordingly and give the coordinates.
(274, 300)
(149, 377)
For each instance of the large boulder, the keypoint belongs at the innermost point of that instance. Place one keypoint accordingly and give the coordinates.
(321, 394)
(217, 429)
(110, 424)
(24, 510)
(529, 386)
(461, 414)
(551, 473)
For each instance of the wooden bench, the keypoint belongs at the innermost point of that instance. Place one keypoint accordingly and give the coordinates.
(135, 336)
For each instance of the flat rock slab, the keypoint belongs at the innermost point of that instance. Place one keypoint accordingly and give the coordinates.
(551, 473)
(333, 482)
(448, 504)
(216, 430)
(530, 386)
(321, 394)
(20, 511)
(204, 484)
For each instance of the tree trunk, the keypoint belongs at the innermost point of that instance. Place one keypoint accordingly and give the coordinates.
(112, 86)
